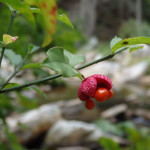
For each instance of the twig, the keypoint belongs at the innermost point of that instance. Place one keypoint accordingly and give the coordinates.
(9, 29)
(2, 54)
(59, 75)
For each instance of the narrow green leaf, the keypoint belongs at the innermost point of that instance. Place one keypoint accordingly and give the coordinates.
(130, 41)
(39, 91)
(14, 58)
(80, 76)
(26, 102)
(65, 20)
(114, 41)
(62, 61)
(10, 85)
(134, 48)
(31, 65)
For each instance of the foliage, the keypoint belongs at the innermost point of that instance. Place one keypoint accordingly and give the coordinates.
(131, 43)
(67, 38)
(35, 24)
(62, 61)
(139, 138)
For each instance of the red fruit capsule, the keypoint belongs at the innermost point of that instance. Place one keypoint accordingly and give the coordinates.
(101, 94)
(110, 94)
(90, 104)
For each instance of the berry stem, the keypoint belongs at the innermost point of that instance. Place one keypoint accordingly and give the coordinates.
(80, 75)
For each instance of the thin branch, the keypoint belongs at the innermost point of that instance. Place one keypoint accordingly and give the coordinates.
(9, 29)
(11, 21)
(59, 75)
(2, 54)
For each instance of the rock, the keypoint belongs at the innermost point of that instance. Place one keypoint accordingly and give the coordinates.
(71, 132)
(75, 110)
(113, 111)
(145, 113)
(29, 125)
(132, 73)
(145, 80)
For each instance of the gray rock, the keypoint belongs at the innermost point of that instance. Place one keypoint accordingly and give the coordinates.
(31, 124)
(133, 72)
(71, 132)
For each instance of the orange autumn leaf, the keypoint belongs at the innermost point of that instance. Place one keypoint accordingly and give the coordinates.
(48, 11)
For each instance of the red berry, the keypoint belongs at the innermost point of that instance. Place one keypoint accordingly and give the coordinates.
(89, 86)
(110, 94)
(90, 104)
(101, 94)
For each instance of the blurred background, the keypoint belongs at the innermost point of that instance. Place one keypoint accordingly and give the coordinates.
(49, 116)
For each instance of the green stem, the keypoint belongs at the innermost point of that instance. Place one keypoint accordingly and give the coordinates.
(30, 83)
(2, 54)
(9, 29)
(59, 75)
(11, 21)
(15, 72)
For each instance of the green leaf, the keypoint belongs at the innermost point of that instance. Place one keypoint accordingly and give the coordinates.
(7, 39)
(48, 9)
(130, 41)
(74, 59)
(32, 48)
(48, 13)
(114, 41)
(26, 102)
(109, 144)
(30, 2)
(135, 47)
(106, 126)
(39, 91)
(61, 67)
(15, 59)
(65, 20)
(62, 61)
(10, 85)
(31, 65)
(22, 7)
